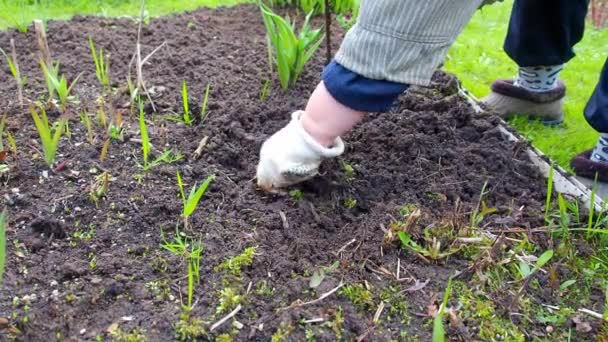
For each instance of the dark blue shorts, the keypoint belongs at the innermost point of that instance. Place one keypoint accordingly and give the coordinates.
(358, 92)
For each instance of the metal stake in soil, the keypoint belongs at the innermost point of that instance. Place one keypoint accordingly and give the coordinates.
(328, 31)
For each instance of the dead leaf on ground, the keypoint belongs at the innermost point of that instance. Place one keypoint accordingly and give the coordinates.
(581, 326)
(419, 285)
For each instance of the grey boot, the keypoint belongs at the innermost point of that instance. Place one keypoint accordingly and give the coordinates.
(508, 100)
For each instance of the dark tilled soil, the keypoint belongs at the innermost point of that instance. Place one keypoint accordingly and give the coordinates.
(431, 151)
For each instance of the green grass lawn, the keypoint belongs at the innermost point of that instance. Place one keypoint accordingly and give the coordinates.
(477, 58)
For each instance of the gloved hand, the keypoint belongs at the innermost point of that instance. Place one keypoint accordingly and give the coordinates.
(291, 156)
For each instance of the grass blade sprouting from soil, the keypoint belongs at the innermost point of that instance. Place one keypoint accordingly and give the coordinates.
(49, 137)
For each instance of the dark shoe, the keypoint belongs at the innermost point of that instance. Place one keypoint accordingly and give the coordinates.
(509, 100)
(583, 166)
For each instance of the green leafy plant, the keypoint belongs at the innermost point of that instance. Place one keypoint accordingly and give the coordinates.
(433, 251)
(99, 188)
(166, 157)
(481, 210)
(194, 197)
(549, 193)
(229, 300)
(235, 264)
(291, 52)
(438, 329)
(186, 117)
(192, 250)
(14, 68)
(102, 65)
(524, 269)
(86, 121)
(56, 84)
(49, 135)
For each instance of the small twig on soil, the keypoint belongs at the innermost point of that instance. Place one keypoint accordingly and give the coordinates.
(314, 320)
(344, 247)
(223, 320)
(16, 64)
(299, 303)
(201, 146)
(398, 268)
(284, 220)
(593, 314)
(364, 335)
(249, 287)
(379, 312)
(139, 61)
(45, 53)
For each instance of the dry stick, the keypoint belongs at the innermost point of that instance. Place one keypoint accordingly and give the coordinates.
(139, 61)
(223, 320)
(16, 64)
(328, 31)
(593, 314)
(43, 45)
(201, 145)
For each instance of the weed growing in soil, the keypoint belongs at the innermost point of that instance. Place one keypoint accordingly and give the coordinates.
(296, 194)
(359, 295)
(192, 251)
(99, 188)
(282, 333)
(438, 329)
(86, 121)
(166, 157)
(229, 300)
(14, 68)
(3, 219)
(137, 335)
(102, 65)
(189, 328)
(49, 135)
(236, 264)
(58, 84)
(291, 52)
(194, 197)
(186, 117)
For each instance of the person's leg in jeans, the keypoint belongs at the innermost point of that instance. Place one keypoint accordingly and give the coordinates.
(540, 39)
(595, 161)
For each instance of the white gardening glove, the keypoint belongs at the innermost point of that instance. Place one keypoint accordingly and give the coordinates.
(291, 156)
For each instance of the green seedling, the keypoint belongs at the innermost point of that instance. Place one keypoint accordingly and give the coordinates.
(432, 252)
(14, 68)
(319, 275)
(236, 264)
(549, 193)
(189, 328)
(56, 84)
(195, 195)
(438, 329)
(102, 65)
(349, 171)
(11, 141)
(49, 137)
(296, 194)
(359, 295)
(524, 269)
(265, 89)
(186, 117)
(99, 188)
(166, 157)
(192, 251)
(229, 300)
(350, 203)
(312, 6)
(86, 121)
(3, 224)
(481, 210)
(205, 103)
(291, 52)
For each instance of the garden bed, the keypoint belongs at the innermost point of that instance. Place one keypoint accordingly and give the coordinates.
(78, 270)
